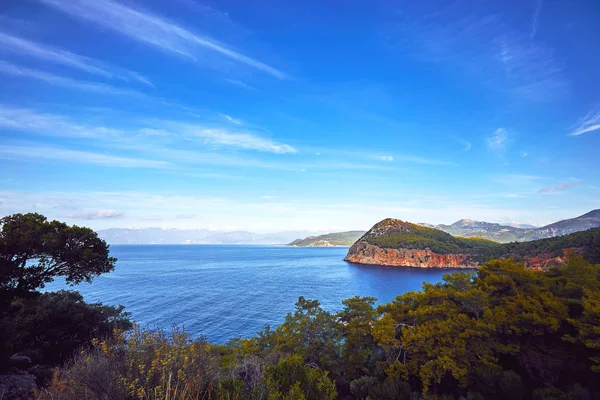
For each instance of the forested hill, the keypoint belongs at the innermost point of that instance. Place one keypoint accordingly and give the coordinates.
(331, 239)
(412, 241)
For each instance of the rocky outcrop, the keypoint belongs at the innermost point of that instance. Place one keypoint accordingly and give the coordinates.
(364, 253)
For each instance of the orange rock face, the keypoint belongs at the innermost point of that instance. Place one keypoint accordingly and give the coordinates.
(364, 253)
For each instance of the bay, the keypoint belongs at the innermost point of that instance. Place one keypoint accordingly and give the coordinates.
(227, 291)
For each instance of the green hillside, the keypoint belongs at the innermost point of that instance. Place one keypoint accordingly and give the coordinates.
(331, 239)
(396, 234)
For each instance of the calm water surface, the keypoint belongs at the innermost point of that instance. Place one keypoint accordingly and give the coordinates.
(234, 291)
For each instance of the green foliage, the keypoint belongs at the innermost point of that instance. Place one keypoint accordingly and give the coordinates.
(33, 251)
(50, 327)
(291, 378)
(411, 236)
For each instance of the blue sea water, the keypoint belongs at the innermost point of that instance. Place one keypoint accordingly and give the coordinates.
(223, 292)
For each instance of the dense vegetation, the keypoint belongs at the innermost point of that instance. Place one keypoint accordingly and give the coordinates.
(50, 327)
(411, 236)
(503, 332)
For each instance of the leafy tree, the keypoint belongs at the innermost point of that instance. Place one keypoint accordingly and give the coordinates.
(50, 327)
(310, 332)
(34, 251)
(292, 379)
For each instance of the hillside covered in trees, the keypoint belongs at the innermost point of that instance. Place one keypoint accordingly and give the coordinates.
(329, 239)
(393, 234)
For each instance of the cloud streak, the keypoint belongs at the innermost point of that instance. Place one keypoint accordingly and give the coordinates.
(589, 123)
(14, 70)
(560, 187)
(484, 44)
(536, 17)
(100, 214)
(22, 119)
(498, 140)
(76, 156)
(224, 137)
(153, 30)
(66, 58)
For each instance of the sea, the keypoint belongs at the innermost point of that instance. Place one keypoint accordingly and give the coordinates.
(228, 291)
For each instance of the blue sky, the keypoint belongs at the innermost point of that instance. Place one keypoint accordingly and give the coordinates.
(277, 115)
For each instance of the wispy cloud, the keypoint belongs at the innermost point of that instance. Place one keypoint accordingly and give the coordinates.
(100, 214)
(422, 160)
(498, 140)
(11, 69)
(185, 216)
(224, 137)
(386, 158)
(467, 36)
(536, 17)
(232, 120)
(154, 30)
(589, 123)
(524, 154)
(63, 57)
(560, 187)
(23, 119)
(465, 143)
(76, 156)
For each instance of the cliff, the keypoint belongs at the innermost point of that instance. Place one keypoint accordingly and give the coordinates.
(394, 242)
(365, 253)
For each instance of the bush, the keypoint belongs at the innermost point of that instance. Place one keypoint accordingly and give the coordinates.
(50, 327)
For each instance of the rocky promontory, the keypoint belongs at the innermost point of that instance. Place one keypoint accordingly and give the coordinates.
(397, 243)
(365, 253)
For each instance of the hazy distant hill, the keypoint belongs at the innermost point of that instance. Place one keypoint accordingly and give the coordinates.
(194, 236)
(330, 239)
(520, 232)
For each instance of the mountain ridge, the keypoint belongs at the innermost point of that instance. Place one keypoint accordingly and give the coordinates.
(507, 233)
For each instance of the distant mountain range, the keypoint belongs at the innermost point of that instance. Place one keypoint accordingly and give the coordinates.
(464, 227)
(519, 232)
(195, 236)
(329, 240)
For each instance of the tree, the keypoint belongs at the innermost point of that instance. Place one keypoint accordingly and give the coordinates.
(34, 251)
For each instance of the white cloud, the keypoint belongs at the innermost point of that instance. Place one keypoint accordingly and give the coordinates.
(11, 69)
(232, 120)
(498, 140)
(59, 56)
(536, 17)
(153, 30)
(100, 214)
(524, 154)
(589, 123)
(223, 137)
(466, 144)
(386, 158)
(76, 156)
(425, 161)
(269, 197)
(29, 120)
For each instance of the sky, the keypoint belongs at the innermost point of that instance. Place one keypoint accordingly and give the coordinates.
(279, 115)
